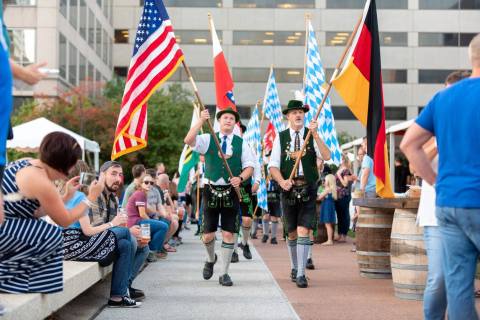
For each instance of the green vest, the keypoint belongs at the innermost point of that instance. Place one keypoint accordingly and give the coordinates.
(214, 167)
(309, 161)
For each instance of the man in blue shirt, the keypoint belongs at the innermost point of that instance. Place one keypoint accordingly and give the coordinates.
(367, 177)
(453, 117)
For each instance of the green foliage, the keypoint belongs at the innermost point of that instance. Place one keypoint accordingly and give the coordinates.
(344, 137)
(169, 115)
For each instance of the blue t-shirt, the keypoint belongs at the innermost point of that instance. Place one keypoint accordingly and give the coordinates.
(453, 117)
(367, 162)
(6, 101)
(72, 203)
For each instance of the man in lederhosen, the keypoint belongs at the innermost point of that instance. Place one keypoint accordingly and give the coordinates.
(299, 194)
(219, 195)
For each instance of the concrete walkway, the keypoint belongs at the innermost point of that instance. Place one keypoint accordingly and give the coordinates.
(175, 289)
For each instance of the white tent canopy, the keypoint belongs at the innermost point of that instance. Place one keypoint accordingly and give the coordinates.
(29, 135)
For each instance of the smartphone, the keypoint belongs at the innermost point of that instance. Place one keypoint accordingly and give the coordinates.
(87, 178)
(49, 71)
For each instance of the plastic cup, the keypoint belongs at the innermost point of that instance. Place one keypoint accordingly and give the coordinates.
(145, 233)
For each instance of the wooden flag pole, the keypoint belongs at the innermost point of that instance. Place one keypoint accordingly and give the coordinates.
(325, 96)
(210, 127)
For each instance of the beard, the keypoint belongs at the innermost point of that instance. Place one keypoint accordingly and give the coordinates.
(113, 188)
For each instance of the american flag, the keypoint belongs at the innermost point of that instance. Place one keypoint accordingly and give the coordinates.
(314, 79)
(252, 136)
(271, 103)
(156, 56)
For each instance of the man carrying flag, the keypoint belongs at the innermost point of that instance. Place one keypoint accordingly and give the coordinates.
(220, 198)
(360, 86)
(299, 195)
(156, 56)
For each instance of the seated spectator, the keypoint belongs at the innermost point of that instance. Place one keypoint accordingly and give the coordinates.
(32, 248)
(137, 214)
(105, 210)
(138, 171)
(162, 184)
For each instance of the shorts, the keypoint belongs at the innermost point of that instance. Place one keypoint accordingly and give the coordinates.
(274, 209)
(301, 213)
(225, 207)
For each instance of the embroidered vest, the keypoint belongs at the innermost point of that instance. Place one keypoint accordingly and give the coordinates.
(214, 167)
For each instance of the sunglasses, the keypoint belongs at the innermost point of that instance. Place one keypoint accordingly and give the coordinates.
(149, 182)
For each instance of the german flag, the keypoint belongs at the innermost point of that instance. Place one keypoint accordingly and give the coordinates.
(360, 86)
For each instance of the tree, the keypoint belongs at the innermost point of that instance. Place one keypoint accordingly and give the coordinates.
(169, 116)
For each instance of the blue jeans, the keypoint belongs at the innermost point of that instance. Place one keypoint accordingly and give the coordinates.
(122, 267)
(460, 230)
(435, 296)
(158, 232)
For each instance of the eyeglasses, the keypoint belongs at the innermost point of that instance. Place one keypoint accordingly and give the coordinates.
(149, 182)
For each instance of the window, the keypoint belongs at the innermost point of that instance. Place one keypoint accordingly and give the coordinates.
(90, 72)
(433, 76)
(72, 64)
(22, 49)
(62, 56)
(121, 35)
(342, 113)
(83, 19)
(391, 113)
(73, 13)
(120, 71)
(282, 4)
(63, 8)
(105, 47)
(21, 2)
(359, 4)
(193, 3)
(394, 76)
(196, 36)
(436, 39)
(98, 38)
(250, 74)
(269, 38)
(420, 109)
(470, 4)
(91, 29)
(392, 39)
(82, 68)
(244, 111)
(98, 76)
(200, 74)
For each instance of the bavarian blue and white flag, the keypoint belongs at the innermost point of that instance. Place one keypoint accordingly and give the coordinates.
(271, 103)
(314, 79)
(252, 136)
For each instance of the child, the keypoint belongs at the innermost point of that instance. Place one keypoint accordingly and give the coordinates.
(327, 210)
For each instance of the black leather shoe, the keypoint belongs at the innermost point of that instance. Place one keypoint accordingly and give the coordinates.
(310, 264)
(254, 236)
(265, 238)
(225, 280)
(234, 257)
(136, 294)
(273, 241)
(246, 252)
(208, 269)
(302, 282)
(293, 275)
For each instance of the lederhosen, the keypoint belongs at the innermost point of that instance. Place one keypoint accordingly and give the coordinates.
(246, 206)
(221, 200)
(299, 202)
(273, 199)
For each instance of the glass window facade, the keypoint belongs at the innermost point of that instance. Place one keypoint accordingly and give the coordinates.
(449, 4)
(394, 76)
(62, 56)
(433, 76)
(82, 68)
(282, 4)
(192, 3)
(73, 13)
(121, 35)
(269, 38)
(63, 8)
(72, 64)
(437, 39)
(388, 39)
(196, 36)
(391, 113)
(83, 19)
(91, 29)
(23, 45)
(98, 38)
(22, 2)
(359, 4)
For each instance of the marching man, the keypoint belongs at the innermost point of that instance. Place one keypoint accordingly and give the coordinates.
(298, 194)
(219, 195)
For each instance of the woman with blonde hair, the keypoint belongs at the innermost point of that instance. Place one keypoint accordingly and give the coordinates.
(327, 210)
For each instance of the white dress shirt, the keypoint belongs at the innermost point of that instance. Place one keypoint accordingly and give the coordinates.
(202, 142)
(276, 150)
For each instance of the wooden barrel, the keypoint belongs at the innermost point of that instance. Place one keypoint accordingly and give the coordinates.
(408, 256)
(372, 235)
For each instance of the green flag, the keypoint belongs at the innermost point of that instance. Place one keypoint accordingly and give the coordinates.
(188, 159)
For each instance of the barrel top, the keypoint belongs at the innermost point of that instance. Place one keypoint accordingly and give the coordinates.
(395, 203)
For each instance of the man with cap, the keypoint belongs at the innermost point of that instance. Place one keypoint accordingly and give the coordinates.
(298, 194)
(219, 195)
(106, 210)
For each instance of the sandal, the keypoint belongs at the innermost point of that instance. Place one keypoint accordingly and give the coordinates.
(168, 248)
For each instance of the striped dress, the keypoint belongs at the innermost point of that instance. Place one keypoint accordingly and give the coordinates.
(30, 249)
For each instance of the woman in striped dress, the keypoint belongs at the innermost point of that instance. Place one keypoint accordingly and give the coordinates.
(30, 248)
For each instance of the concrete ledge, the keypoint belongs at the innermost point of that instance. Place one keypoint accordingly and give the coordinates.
(77, 277)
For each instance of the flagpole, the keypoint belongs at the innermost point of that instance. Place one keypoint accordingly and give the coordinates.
(325, 96)
(307, 19)
(210, 127)
(197, 206)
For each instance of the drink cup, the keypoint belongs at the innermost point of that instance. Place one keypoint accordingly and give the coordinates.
(145, 233)
(122, 213)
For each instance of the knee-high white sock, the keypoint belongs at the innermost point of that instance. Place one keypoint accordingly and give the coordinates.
(265, 226)
(226, 251)
(235, 242)
(254, 227)
(274, 229)
(310, 250)
(292, 252)
(210, 246)
(245, 235)
(303, 243)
